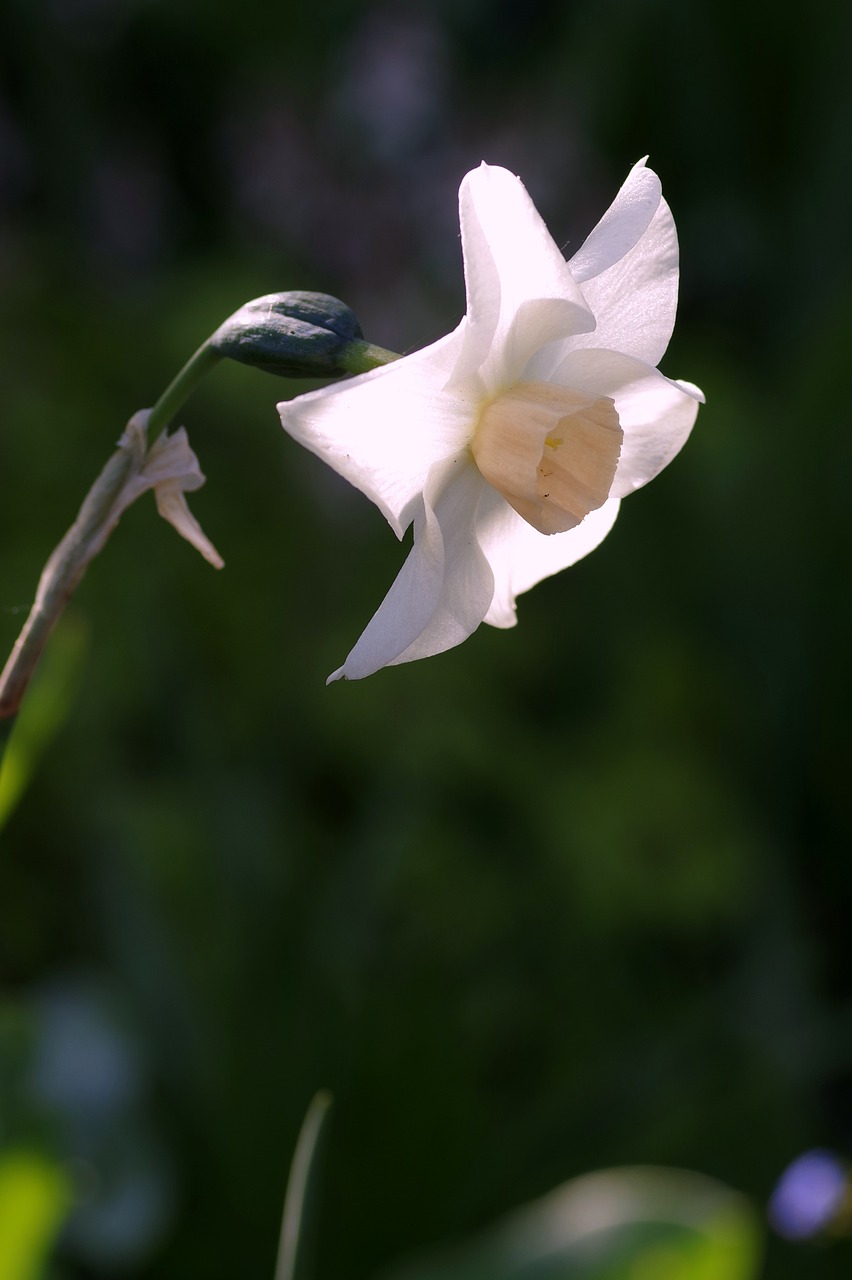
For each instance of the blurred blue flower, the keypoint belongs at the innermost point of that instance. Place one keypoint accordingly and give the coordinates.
(809, 1195)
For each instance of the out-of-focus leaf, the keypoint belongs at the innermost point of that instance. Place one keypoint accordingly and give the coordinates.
(43, 712)
(619, 1224)
(35, 1196)
(73, 1071)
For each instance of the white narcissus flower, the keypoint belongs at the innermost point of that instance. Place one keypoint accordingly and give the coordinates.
(509, 443)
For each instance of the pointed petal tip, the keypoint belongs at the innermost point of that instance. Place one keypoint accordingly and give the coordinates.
(642, 166)
(691, 389)
(339, 674)
(492, 173)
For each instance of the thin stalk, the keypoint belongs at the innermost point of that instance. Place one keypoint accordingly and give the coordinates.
(63, 573)
(300, 1202)
(360, 357)
(181, 387)
(95, 522)
(96, 518)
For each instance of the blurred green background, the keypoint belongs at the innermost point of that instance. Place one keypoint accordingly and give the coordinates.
(569, 897)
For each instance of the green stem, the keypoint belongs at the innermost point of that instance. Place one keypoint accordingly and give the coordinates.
(6, 727)
(69, 561)
(300, 1202)
(84, 539)
(181, 387)
(360, 357)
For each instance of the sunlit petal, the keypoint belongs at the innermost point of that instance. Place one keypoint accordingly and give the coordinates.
(443, 590)
(632, 265)
(656, 414)
(384, 430)
(619, 230)
(520, 556)
(510, 259)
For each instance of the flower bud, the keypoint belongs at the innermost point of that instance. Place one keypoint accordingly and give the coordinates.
(292, 334)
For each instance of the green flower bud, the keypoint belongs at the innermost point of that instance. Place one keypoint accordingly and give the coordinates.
(292, 334)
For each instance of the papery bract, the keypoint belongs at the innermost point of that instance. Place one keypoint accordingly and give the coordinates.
(509, 443)
(171, 469)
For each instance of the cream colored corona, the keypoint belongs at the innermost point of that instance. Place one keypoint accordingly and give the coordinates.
(550, 451)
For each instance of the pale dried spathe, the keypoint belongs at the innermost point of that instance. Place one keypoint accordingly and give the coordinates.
(509, 443)
(171, 469)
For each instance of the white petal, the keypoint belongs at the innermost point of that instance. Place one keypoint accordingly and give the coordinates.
(520, 556)
(385, 429)
(510, 259)
(656, 414)
(443, 590)
(624, 222)
(629, 268)
(537, 323)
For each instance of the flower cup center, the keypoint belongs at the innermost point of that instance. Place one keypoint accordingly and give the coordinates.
(550, 451)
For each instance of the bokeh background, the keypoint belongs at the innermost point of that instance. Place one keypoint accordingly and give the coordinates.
(568, 897)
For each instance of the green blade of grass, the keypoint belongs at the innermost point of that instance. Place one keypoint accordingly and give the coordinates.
(300, 1202)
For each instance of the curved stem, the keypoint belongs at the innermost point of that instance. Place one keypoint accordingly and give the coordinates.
(181, 387)
(300, 1204)
(66, 566)
(98, 517)
(84, 539)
